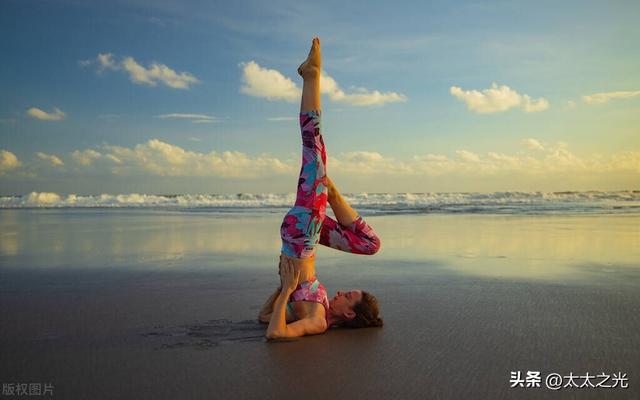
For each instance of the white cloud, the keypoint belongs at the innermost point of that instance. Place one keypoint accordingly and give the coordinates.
(361, 96)
(362, 156)
(498, 99)
(52, 158)
(273, 85)
(529, 105)
(157, 73)
(103, 62)
(152, 75)
(532, 144)
(431, 158)
(267, 83)
(367, 163)
(467, 156)
(159, 158)
(56, 115)
(605, 97)
(550, 162)
(85, 157)
(194, 118)
(8, 161)
(505, 160)
(113, 158)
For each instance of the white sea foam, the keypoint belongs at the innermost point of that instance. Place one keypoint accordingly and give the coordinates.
(370, 203)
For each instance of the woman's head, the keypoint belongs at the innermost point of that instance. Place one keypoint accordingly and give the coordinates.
(356, 309)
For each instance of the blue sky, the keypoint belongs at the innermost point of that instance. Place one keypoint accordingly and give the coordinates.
(564, 113)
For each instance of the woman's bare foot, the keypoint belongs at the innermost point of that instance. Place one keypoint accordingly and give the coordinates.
(310, 68)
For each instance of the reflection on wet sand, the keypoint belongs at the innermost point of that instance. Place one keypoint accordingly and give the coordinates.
(45, 238)
(539, 247)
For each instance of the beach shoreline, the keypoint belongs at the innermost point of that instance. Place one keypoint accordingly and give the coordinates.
(164, 305)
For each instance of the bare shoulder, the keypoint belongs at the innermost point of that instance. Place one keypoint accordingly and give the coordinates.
(308, 326)
(312, 325)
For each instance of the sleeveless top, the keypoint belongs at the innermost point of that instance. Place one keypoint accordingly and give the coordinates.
(311, 290)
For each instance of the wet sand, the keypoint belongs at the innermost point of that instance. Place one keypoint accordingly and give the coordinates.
(179, 320)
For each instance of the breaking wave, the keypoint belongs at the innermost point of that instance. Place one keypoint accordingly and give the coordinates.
(366, 203)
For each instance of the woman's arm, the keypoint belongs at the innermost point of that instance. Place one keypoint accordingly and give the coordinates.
(265, 313)
(278, 327)
(278, 323)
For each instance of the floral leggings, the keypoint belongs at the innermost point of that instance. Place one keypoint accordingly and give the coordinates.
(306, 224)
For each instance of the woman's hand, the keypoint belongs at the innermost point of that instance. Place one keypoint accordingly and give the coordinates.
(289, 275)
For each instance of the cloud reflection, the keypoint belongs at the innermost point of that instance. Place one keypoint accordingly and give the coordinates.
(524, 247)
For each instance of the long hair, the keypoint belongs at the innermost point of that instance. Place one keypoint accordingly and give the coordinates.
(366, 313)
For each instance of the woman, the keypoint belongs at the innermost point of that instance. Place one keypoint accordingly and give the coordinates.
(301, 305)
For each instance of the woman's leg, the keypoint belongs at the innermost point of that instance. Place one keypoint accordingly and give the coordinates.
(300, 230)
(357, 237)
(343, 211)
(310, 72)
(350, 232)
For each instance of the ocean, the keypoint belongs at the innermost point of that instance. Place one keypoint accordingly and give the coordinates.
(594, 202)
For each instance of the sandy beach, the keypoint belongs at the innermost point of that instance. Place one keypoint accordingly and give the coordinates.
(157, 304)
